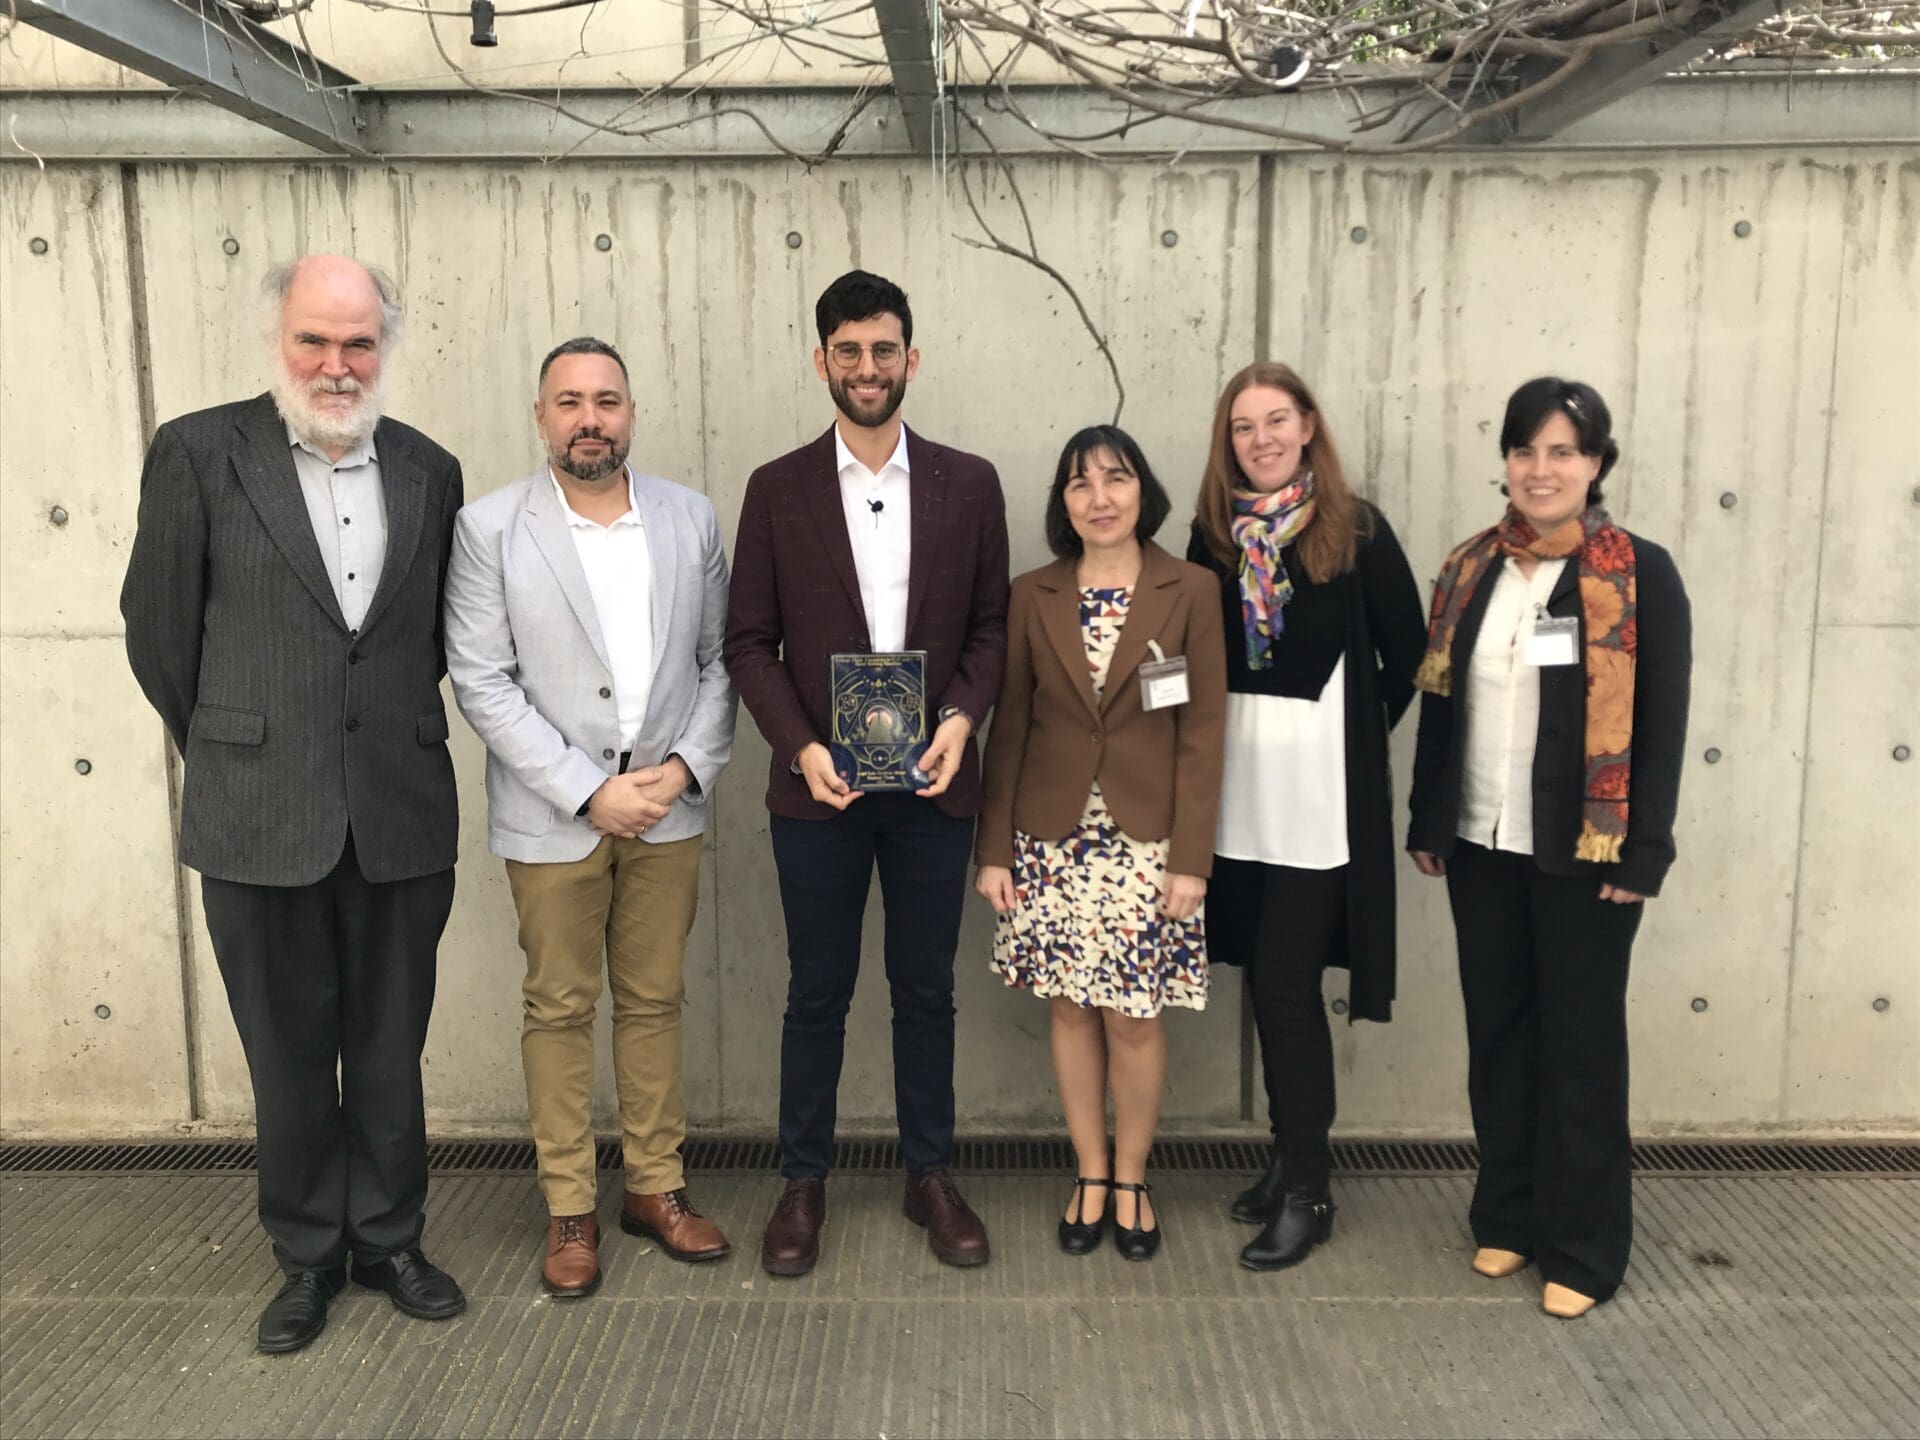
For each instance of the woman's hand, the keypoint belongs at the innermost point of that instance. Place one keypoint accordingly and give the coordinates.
(1620, 895)
(1428, 863)
(996, 883)
(1182, 896)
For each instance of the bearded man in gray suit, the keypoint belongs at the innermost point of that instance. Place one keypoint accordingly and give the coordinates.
(585, 610)
(282, 606)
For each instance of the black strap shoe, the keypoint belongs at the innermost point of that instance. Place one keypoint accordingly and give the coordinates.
(1304, 1220)
(415, 1285)
(1080, 1236)
(296, 1315)
(1255, 1204)
(1130, 1240)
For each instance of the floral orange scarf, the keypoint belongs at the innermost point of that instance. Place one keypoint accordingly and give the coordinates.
(1609, 607)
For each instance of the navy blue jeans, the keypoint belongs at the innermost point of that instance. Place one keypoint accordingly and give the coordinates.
(826, 869)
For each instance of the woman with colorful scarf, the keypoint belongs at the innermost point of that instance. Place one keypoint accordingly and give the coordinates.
(1323, 633)
(1558, 658)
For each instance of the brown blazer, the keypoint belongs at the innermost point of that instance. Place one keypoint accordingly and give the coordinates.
(1158, 769)
(796, 600)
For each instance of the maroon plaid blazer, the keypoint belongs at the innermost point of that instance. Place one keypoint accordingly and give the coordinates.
(796, 601)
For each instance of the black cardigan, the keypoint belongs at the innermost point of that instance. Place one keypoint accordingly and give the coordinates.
(1372, 616)
(1662, 674)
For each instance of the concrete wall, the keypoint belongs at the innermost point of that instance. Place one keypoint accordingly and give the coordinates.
(1764, 388)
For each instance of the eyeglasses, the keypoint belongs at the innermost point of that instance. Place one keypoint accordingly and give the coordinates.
(886, 353)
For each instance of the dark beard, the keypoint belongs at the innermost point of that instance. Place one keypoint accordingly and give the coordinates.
(896, 392)
(614, 459)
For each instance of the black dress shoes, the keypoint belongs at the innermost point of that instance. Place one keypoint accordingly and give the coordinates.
(1255, 1204)
(295, 1316)
(1304, 1220)
(1081, 1236)
(415, 1285)
(1130, 1240)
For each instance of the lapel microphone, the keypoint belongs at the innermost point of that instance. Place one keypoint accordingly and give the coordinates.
(876, 506)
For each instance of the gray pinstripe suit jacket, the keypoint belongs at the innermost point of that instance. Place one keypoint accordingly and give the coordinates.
(292, 726)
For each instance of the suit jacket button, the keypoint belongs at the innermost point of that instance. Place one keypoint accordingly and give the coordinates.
(353, 657)
(353, 725)
(605, 693)
(606, 754)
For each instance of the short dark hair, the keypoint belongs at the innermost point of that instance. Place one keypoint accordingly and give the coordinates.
(859, 295)
(1062, 538)
(1535, 402)
(584, 345)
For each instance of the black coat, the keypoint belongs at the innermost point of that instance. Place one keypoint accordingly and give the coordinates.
(293, 727)
(1371, 615)
(1663, 670)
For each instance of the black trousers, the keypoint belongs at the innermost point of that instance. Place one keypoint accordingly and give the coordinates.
(826, 869)
(331, 986)
(1302, 929)
(1543, 970)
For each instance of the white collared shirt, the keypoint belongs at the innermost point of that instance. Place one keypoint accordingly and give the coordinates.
(882, 539)
(347, 504)
(1503, 713)
(619, 566)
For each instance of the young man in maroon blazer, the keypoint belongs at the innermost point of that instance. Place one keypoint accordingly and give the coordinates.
(869, 538)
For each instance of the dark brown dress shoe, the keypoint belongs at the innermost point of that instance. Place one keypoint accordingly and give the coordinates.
(572, 1269)
(955, 1233)
(791, 1245)
(671, 1222)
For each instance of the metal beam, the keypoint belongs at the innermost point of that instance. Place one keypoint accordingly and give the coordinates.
(207, 50)
(907, 32)
(1619, 70)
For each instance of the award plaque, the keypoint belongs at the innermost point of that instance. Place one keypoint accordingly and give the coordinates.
(880, 719)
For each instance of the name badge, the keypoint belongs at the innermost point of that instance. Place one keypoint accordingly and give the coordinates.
(1163, 682)
(1554, 642)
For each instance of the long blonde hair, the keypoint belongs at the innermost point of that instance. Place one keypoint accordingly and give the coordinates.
(1327, 546)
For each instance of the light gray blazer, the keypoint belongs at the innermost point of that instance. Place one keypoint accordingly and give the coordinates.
(529, 665)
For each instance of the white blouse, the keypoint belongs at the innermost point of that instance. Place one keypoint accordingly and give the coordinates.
(1502, 713)
(1285, 797)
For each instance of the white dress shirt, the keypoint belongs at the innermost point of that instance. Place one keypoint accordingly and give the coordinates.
(619, 568)
(882, 540)
(347, 504)
(1285, 802)
(1503, 713)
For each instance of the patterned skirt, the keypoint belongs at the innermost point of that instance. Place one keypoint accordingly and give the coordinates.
(1087, 924)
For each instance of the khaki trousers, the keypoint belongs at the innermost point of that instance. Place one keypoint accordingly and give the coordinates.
(633, 903)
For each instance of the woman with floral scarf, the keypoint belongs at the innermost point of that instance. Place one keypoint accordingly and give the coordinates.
(1559, 651)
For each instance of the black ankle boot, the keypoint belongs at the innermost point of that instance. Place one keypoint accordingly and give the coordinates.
(1304, 1220)
(1255, 1204)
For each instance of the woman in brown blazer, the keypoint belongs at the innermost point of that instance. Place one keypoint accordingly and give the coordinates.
(1102, 781)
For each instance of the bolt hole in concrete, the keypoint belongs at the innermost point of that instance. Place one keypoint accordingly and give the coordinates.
(1169, 238)
(1728, 500)
(1339, 1007)
(1902, 753)
(230, 245)
(1881, 1005)
(104, 1012)
(603, 242)
(37, 245)
(1712, 756)
(58, 515)
(1743, 228)
(1358, 234)
(1699, 1004)
(83, 767)
(793, 239)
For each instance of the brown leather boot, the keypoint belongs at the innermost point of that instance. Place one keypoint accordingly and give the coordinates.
(672, 1223)
(954, 1232)
(573, 1257)
(791, 1245)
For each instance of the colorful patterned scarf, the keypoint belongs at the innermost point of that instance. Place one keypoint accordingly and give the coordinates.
(1609, 604)
(1263, 525)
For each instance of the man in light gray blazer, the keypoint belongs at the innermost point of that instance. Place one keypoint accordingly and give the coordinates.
(585, 609)
(282, 605)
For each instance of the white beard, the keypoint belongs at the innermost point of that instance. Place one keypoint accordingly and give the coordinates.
(327, 429)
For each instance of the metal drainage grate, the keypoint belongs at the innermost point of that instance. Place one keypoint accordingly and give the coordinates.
(998, 1156)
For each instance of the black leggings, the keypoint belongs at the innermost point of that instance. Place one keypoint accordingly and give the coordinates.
(1302, 929)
